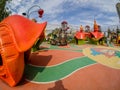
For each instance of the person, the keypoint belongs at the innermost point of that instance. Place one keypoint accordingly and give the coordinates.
(109, 38)
(34, 20)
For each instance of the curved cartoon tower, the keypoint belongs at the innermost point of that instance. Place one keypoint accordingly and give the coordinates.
(80, 36)
(96, 34)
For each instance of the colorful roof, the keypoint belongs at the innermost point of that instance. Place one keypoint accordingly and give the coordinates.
(80, 34)
(96, 32)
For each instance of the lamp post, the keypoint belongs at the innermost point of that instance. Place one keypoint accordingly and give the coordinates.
(39, 11)
(118, 9)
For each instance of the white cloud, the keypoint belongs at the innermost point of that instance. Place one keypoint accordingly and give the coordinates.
(104, 5)
(55, 10)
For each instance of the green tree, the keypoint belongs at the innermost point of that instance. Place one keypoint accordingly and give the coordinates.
(3, 10)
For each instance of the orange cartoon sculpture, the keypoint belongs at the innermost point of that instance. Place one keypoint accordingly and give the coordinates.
(17, 36)
(80, 36)
(96, 35)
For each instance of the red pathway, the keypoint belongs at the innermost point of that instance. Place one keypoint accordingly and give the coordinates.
(94, 77)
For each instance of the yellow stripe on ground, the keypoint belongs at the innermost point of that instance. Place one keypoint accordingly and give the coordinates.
(113, 62)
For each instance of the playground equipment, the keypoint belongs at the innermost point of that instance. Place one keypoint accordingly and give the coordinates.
(118, 31)
(80, 36)
(118, 39)
(118, 36)
(17, 36)
(59, 37)
(96, 37)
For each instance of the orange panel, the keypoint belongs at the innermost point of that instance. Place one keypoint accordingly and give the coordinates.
(17, 36)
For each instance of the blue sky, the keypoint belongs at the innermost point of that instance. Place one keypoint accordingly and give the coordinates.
(75, 12)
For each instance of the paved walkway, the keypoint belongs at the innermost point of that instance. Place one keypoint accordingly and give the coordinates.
(71, 67)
